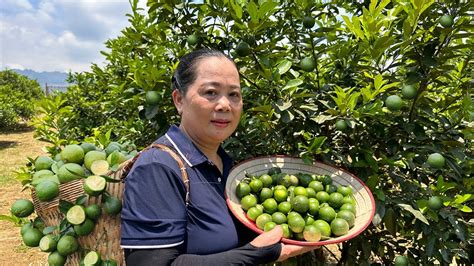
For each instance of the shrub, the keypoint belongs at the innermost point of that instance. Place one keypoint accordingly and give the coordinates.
(18, 95)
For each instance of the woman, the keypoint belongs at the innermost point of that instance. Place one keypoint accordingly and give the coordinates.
(158, 227)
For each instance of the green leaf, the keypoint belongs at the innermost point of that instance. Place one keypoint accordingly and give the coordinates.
(114, 167)
(64, 225)
(459, 228)
(380, 194)
(425, 6)
(418, 215)
(262, 108)
(110, 179)
(282, 106)
(64, 206)
(81, 200)
(430, 244)
(253, 11)
(465, 208)
(151, 111)
(237, 9)
(422, 204)
(373, 4)
(267, 9)
(348, 22)
(49, 229)
(390, 221)
(442, 186)
(74, 172)
(379, 213)
(407, 29)
(293, 83)
(10, 218)
(287, 116)
(461, 199)
(378, 82)
(373, 181)
(284, 66)
(317, 143)
(320, 119)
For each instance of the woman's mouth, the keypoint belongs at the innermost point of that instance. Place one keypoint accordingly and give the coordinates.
(220, 122)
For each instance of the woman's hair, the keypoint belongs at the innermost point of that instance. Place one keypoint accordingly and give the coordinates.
(185, 73)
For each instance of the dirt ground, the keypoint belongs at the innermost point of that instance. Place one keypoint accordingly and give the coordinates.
(15, 147)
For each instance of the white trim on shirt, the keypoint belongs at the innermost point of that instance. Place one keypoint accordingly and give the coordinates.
(178, 150)
(153, 246)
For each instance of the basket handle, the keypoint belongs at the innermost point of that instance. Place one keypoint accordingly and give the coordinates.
(184, 174)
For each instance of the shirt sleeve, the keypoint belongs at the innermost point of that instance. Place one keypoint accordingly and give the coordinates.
(154, 212)
(245, 255)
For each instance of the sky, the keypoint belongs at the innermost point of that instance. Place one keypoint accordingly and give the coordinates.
(58, 35)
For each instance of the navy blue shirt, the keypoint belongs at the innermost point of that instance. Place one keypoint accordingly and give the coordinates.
(154, 213)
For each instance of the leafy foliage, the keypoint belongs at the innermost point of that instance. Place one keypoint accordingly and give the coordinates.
(17, 98)
(363, 52)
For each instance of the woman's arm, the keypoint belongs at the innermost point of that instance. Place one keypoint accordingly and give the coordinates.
(245, 255)
(263, 249)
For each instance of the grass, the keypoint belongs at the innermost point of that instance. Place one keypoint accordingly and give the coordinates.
(15, 148)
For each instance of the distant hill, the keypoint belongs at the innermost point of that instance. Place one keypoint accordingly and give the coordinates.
(52, 78)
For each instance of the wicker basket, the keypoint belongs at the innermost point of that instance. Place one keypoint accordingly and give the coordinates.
(106, 235)
(365, 204)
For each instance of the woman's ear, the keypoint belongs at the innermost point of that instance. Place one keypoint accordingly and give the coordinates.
(178, 100)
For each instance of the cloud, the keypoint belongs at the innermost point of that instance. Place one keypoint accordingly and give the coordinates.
(58, 35)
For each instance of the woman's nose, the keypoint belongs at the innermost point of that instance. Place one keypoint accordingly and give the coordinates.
(223, 105)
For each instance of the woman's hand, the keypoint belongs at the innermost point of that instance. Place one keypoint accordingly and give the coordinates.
(287, 251)
(268, 238)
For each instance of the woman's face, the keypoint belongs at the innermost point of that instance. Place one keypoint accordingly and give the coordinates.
(210, 110)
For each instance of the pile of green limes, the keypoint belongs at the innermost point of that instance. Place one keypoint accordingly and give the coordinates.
(47, 173)
(308, 207)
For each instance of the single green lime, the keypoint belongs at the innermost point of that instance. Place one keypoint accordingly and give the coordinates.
(279, 218)
(253, 213)
(435, 203)
(262, 220)
(308, 22)
(311, 233)
(22, 208)
(339, 227)
(446, 21)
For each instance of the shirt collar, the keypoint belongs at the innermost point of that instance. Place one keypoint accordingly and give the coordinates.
(188, 151)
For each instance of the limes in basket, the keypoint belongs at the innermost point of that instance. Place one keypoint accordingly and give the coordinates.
(92, 258)
(112, 205)
(47, 190)
(76, 215)
(56, 259)
(67, 245)
(32, 237)
(48, 243)
(22, 208)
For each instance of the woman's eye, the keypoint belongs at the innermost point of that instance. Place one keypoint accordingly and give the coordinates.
(210, 92)
(235, 94)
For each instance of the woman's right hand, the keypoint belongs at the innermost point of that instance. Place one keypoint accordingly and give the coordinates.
(287, 251)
